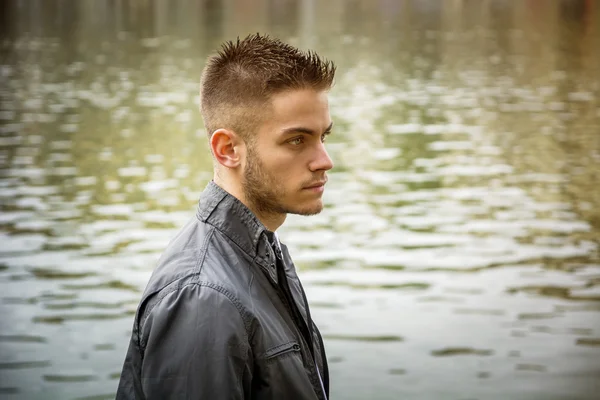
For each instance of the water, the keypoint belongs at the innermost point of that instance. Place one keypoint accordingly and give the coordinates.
(457, 257)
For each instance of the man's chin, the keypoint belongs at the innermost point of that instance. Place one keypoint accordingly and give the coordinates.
(306, 210)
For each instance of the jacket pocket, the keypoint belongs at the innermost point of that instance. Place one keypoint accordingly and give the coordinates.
(282, 349)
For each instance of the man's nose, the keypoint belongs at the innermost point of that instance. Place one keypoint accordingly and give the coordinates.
(322, 161)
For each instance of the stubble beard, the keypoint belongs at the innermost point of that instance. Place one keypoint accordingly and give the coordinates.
(264, 194)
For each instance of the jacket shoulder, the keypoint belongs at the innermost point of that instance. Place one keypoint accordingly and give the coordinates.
(206, 298)
(198, 255)
(181, 259)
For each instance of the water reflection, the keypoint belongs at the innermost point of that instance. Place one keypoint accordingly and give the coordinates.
(459, 244)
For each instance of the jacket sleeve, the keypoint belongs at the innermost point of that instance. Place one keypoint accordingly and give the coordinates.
(196, 347)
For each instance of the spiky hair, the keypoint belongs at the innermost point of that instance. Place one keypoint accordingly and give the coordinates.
(240, 79)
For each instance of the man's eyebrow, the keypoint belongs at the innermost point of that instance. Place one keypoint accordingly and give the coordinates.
(308, 131)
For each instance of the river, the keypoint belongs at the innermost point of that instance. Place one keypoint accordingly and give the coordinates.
(458, 253)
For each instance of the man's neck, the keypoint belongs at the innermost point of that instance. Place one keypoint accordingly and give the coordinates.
(271, 221)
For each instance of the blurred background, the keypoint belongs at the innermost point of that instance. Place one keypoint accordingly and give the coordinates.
(457, 257)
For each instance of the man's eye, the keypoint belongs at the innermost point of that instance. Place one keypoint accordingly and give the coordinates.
(297, 141)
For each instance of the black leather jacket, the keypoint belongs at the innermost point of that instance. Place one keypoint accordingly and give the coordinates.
(217, 320)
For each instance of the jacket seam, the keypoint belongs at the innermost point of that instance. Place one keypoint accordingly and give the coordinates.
(234, 301)
(214, 207)
(232, 240)
(202, 255)
(161, 295)
(255, 259)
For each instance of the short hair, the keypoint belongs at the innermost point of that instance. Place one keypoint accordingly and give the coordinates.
(238, 82)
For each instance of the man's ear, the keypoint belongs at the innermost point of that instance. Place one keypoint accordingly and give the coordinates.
(227, 148)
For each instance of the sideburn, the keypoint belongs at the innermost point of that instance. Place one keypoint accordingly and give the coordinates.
(260, 189)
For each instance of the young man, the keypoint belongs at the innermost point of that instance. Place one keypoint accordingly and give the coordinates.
(224, 315)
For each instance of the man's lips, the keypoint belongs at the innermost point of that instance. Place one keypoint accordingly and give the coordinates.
(316, 185)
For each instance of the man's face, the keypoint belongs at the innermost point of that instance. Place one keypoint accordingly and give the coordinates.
(285, 168)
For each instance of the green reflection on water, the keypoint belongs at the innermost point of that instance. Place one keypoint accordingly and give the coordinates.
(403, 286)
(59, 319)
(365, 338)
(457, 351)
(24, 364)
(588, 342)
(22, 339)
(69, 378)
(43, 273)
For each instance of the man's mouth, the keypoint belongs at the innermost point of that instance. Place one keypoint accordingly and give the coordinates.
(318, 186)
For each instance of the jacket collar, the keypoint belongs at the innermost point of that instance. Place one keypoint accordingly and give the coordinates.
(231, 217)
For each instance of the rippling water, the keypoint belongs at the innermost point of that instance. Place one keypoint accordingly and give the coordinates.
(457, 257)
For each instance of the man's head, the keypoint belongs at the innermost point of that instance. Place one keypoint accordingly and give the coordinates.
(265, 109)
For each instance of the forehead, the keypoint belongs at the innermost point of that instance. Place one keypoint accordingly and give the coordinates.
(301, 106)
